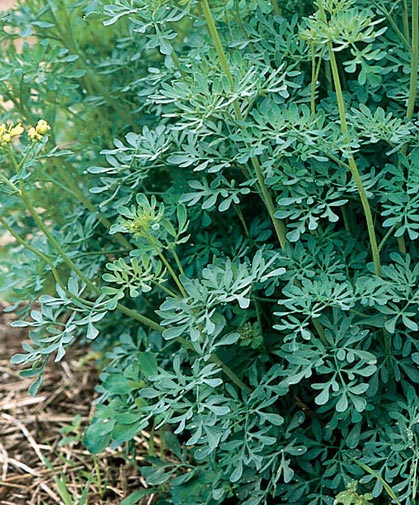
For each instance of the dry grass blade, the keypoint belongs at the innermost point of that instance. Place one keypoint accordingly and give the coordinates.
(26, 433)
(31, 458)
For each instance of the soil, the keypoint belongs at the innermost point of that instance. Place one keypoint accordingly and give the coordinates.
(6, 4)
(31, 457)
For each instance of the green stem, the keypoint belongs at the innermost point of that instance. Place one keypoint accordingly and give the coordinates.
(313, 80)
(229, 372)
(328, 73)
(32, 249)
(386, 237)
(414, 56)
(376, 475)
(68, 41)
(393, 24)
(167, 265)
(413, 60)
(402, 244)
(279, 226)
(346, 220)
(41, 225)
(242, 220)
(315, 71)
(177, 260)
(276, 8)
(90, 206)
(47, 261)
(351, 160)
(8, 183)
(406, 21)
(220, 52)
(108, 252)
(166, 290)
(176, 61)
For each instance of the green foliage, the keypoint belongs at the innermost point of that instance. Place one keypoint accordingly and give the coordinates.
(226, 208)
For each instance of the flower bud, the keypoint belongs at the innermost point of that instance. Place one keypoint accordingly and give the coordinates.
(42, 127)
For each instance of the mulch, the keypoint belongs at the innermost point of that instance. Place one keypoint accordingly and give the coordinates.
(31, 457)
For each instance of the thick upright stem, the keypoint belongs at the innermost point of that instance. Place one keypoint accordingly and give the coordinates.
(279, 226)
(352, 164)
(406, 21)
(351, 160)
(313, 80)
(413, 60)
(220, 52)
(414, 56)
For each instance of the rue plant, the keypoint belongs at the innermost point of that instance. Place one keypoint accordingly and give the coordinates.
(221, 198)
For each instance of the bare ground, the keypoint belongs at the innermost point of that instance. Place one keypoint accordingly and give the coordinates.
(30, 455)
(6, 4)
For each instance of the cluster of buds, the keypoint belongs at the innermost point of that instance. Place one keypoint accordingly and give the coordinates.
(8, 133)
(35, 133)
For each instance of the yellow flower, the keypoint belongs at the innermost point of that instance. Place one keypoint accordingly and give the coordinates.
(16, 130)
(33, 134)
(42, 127)
(7, 133)
(6, 138)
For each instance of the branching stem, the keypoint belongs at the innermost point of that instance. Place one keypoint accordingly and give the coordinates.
(177, 260)
(172, 273)
(125, 310)
(64, 256)
(279, 226)
(393, 23)
(413, 60)
(229, 372)
(315, 71)
(33, 250)
(351, 160)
